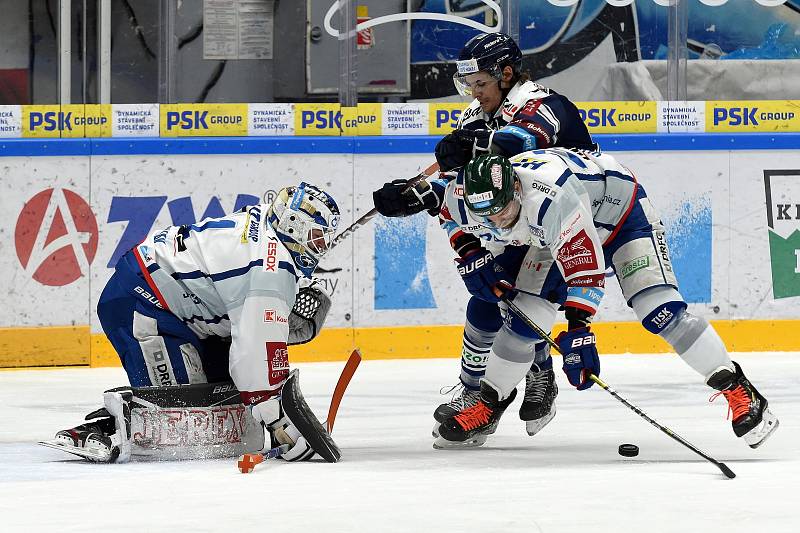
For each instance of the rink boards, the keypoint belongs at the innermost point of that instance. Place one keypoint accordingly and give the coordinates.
(71, 207)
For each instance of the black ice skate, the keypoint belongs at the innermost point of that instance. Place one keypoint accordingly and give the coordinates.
(463, 397)
(472, 425)
(751, 417)
(92, 441)
(538, 407)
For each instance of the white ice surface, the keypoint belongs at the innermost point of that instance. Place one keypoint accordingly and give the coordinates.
(568, 478)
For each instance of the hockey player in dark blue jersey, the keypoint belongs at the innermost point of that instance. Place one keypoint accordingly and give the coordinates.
(510, 114)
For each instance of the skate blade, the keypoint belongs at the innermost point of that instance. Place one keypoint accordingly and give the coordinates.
(759, 434)
(435, 430)
(444, 444)
(535, 426)
(95, 456)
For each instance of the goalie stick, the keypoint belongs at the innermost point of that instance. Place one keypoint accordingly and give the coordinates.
(247, 462)
(544, 335)
(369, 215)
(344, 380)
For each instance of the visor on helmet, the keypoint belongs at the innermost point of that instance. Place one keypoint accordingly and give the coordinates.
(468, 76)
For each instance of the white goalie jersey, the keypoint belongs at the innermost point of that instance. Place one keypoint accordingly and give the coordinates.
(243, 286)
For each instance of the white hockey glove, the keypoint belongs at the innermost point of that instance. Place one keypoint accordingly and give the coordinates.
(281, 430)
(309, 312)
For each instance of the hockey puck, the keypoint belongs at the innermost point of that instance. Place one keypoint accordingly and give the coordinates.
(628, 450)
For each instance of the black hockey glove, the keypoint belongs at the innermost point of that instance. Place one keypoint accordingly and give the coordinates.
(457, 148)
(396, 199)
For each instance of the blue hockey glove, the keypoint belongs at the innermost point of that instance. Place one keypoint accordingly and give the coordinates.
(484, 277)
(579, 348)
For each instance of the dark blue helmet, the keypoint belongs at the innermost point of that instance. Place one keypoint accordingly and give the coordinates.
(489, 52)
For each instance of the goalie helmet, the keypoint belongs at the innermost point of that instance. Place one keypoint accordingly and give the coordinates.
(305, 218)
(488, 184)
(487, 52)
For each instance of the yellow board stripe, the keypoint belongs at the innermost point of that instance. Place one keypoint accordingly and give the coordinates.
(48, 346)
(75, 345)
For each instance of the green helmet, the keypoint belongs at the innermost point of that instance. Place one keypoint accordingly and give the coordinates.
(488, 184)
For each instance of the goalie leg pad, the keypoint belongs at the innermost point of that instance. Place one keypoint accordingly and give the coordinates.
(202, 421)
(302, 417)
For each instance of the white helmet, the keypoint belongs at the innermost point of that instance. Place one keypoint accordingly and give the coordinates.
(304, 218)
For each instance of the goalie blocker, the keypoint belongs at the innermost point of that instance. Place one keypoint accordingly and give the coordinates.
(204, 421)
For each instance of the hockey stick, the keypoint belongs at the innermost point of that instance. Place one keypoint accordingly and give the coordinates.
(248, 461)
(369, 215)
(544, 335)
(344, 379)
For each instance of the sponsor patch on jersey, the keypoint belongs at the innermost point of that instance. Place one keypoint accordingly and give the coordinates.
(570, 227)
(536, 231)
(544, 188)
(458, 191)
(277, 362)
(577, 255)
(271, 261)
(146, 252)
(271, 315)
(251, 225)
(469, 66)
(634, 266)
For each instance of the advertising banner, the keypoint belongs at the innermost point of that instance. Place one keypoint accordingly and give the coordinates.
(731, 218)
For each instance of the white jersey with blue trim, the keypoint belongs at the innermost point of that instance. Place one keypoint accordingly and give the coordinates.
(228, 276)
(573, 203)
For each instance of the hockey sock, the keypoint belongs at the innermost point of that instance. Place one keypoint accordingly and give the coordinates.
(698, 344)
(474, 352)
(504, 374)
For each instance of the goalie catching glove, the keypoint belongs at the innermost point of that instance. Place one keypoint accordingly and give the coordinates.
(309, 312)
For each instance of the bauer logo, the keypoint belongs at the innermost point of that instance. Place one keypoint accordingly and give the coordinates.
(619, 117)
(759, 115)
(56, 237)
(203, 120)
(782, 189)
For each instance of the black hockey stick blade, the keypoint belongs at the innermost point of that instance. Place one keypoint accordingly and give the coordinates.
(725, 470)
(664, 429)
(301, 415)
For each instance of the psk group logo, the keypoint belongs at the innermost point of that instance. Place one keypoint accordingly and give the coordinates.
(73, 120)
(753, 115)
(193, 120)
(56, 237)
(332, 120)
(619, 117)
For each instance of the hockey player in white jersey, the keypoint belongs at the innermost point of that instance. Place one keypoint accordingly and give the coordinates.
(580, 212)
(216, 301)
(509, 114)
